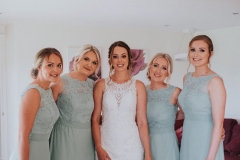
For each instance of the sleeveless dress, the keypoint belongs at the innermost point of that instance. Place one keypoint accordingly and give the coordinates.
(119, 132)
(44, 121)
(71, 137)
(161, 115)
(198, 122)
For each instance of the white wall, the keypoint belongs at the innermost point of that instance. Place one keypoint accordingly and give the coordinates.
(24, 40)
(226, 62)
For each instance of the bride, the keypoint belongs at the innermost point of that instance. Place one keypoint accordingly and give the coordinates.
(121, 100)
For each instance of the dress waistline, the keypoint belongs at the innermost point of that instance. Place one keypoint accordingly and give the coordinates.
(198, 117)
(39, 137)
(162, 130)
(71, 124)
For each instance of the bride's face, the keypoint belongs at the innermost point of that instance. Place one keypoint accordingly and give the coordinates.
(119, 59)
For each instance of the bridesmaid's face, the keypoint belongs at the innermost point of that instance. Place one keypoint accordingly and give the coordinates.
(119, 59)
(51, 68)
(159, 70)
(88, 63)
(199, 53)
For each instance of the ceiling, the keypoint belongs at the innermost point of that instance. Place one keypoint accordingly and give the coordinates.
(146, 14)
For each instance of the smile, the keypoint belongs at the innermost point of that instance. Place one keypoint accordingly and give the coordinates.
(54, 75)
(197, 59)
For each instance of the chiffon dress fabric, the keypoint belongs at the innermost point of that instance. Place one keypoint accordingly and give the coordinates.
(198, 123)
(45, 119)
(71, 138)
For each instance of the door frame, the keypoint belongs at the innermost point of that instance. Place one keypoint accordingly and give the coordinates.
(3, 99)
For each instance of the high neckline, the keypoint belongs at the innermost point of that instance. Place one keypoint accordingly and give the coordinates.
(201, 75)
(74, 79)
(120, 83)
(158, 88)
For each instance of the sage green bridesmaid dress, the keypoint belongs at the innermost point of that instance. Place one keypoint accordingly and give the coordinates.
(198, 122)
(44, 121)
(161, 115)
(71, 138)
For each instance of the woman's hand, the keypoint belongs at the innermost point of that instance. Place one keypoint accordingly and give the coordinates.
(148, 158)
(223, 134)
(102, 154)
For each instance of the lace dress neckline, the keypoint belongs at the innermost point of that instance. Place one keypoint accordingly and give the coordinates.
(191, 74)
(76, 80)
(36, 84)
(124, 83)
(148, 86)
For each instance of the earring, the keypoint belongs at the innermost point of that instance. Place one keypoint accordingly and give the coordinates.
(111, 66)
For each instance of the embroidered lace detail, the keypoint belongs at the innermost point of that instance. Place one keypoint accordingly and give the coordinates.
(119, 132)
(47, 113)
(161, 95)
(76, 100)
(194, 97)
(119, 90)
(160, 112)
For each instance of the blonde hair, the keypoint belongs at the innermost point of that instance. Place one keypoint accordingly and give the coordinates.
(170, 64)
(85, 49)
(40, 56)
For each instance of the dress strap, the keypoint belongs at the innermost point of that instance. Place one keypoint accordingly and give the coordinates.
(210, 77)
(31, 86)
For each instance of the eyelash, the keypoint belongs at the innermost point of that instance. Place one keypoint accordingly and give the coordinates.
(156, 66)
(193, 50)
(59, 65)
(87, 59)
(123, 56)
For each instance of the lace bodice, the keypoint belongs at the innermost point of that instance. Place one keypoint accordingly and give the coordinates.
(47, 113)
(119, 100)
(194, 98)
(119, 132)
(75, 103)
(160, 112)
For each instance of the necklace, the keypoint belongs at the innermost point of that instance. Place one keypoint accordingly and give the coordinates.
(201, 73)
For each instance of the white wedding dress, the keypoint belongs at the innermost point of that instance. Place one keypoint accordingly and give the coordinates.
(119, 132)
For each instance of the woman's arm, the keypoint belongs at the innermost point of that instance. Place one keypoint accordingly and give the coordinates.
(27, 113)
(218, 100)
(56, 89)
(142, 118)
(174, 101)
(96, 119)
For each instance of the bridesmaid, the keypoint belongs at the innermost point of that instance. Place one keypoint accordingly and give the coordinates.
(38, 111)
(162, 108)
(203, 101)
(71, 138)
